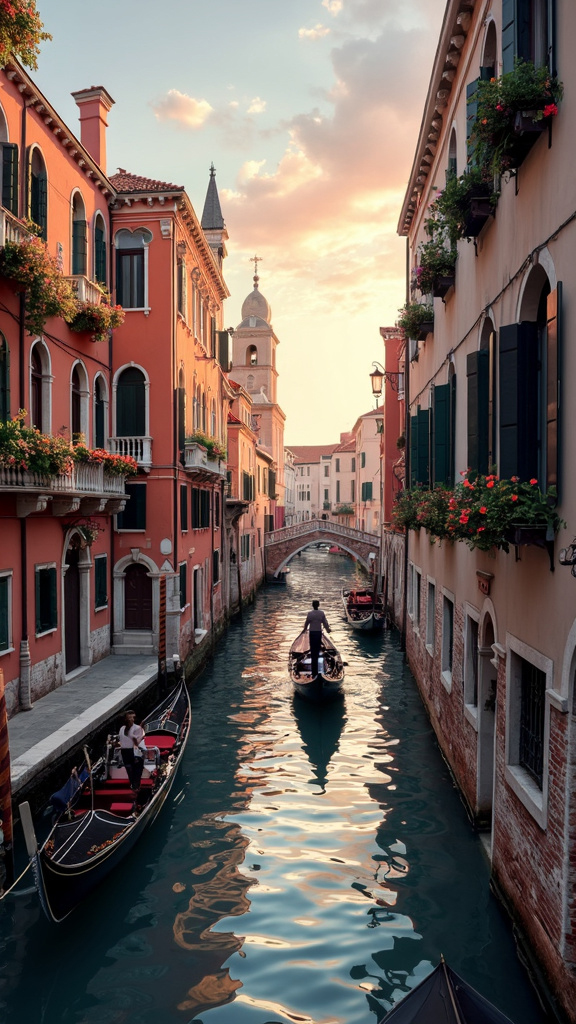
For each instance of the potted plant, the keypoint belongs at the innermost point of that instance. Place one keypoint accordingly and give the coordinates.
(511, 111)
(464, 205)
(114, 465)
(215, 448)
(437, 268)
(416, 320)
(26, 448)
(96, 319)
(47, 293)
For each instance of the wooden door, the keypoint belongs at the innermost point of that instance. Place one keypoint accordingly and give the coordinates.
(137, 598)
(72, 610)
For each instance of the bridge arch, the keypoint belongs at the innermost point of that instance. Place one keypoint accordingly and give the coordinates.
(282, 545)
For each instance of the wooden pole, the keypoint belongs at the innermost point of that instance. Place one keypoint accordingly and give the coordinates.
(5, 786)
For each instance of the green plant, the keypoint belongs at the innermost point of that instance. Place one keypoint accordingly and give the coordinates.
(21, 31)
(48, 293)
(412, 316)
(215, 448)
(524, 89)
(450, 209)
(344, 510)
(401, 442)
(26, 448)
(97, 319)
(435, 260)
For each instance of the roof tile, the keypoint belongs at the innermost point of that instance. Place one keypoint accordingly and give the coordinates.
(124, 181)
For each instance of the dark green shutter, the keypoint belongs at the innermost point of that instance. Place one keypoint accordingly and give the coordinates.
(195, 508)
(101, 581)
(224, 355)
(134, 515)
(215, 567)
(424, 447)
(477, 373)
(4, 613)
(10, 177)
(79, 246)
(131, 404)
(471, 111)
(183, 507)
(46, 600)
(181, 407)
(414, 450)
(441, 434)
(271, 484)
(508, 35)
(4, 380)
(518, 376)
(100, 256)
(553, 378)
(213, 351)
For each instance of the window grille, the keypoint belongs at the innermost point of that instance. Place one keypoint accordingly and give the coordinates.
(532, 707)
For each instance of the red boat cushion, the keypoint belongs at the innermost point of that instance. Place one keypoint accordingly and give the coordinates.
(162, 742)
(113, 792)
(119, 808)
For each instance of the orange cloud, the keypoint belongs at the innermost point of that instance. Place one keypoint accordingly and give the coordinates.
(177, 106)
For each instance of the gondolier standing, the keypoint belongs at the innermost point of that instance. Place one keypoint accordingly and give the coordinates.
(131, 737)
(315, 620)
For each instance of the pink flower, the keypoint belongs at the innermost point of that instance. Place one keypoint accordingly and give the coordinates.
(483, 510)
(489, 483)
(550, 110)
(514, 497)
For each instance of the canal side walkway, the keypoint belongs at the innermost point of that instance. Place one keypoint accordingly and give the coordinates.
(64, 718)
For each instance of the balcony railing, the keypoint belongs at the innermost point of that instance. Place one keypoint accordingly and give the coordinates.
(86, 489)
(11, 229)
(84, 289)
(140, 448)
(197, 460)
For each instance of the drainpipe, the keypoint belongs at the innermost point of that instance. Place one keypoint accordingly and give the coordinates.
(406, 458)
(24, 686)
(175, 399)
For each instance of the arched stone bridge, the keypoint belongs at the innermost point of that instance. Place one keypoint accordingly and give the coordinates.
(283, 544)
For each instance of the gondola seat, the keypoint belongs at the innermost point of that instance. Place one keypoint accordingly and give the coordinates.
(162, 742)
(121, 808)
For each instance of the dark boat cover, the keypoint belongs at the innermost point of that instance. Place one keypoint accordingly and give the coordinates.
(64, 798)
(444, 998)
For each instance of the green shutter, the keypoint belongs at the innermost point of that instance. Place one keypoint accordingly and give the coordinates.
(553, 379)
(134, 515)
(4, 380)
(423, 454)
(131, 404)
(79, 246)
(183, 507)
(471, 111)
(414, 450)
(508, 35)
(10, 177)
(477, 372)
(53, 599)
(441, 435)
(4, 613)
(183, 585)
(181, 406)
(224, 355)
(518, 377)
(100, 256)
(101, 581)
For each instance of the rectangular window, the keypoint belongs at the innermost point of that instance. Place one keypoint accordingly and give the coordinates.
(367, 491)
(245, 547)
(183, 507)
(352, 490)
(100, 581)
(183, 592)
(130, 278)
(337, 490)
(532, 708)
(410, 591)
(5, 612)
(215, 567)
(79, 246)
(471, 662)
(46, 599)
(417, 598)
(353, 466)
(431, 617)
(326, 494)
(182, 290)
(337, 461)
(362, 460)
(134, 515)
(216, 510)
(100, 256)
(326, 470)
(200, 509)
(447, 639)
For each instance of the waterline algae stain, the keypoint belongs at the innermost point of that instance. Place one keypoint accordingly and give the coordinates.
(313, 865)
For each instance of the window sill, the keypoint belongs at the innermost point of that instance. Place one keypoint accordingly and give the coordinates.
(7, 650)
(135, 530)
(471, 715)
(216, 584)
(528, 793)
(46, 632)
(183, 609)
(101, 608)
(137, 309)
(446, 677)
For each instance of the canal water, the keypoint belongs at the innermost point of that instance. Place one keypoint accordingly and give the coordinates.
(311, 867)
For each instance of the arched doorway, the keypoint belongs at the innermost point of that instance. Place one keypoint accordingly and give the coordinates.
(487, 695)
(72, 609)
(137, 598)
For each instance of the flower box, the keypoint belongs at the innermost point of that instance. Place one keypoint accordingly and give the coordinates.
(426, 328)
(479, 211)
(442, 285)
(527, 121)
(521, 534)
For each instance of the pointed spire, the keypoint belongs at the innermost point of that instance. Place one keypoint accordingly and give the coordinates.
(212, 219)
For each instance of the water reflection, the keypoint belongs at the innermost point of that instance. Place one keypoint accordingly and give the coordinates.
(320, 729)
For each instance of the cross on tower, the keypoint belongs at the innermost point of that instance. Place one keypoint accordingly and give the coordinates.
(256, 260)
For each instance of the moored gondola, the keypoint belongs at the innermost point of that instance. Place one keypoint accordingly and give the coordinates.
(445, 998)
(104, 818)
(327, 683)
(364, 610)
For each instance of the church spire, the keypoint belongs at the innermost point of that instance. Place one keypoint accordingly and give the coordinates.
(212, 219)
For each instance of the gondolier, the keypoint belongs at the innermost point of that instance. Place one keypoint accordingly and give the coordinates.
(315, 621)
(131, 736)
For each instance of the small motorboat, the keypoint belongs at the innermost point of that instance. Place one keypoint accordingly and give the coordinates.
(363, 609)
(101, 819)
(445, 998)
(327, 684)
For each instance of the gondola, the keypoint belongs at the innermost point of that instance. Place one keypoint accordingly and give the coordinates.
(443, 997)
(103, 819)
(327, 684)
(363, 609)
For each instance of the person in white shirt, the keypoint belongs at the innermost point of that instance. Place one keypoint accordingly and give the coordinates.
(131, 738)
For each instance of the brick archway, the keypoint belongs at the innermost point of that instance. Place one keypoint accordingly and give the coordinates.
(282, 545)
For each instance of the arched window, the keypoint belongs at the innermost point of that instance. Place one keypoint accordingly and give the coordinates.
(40, 387)
(37, 205)
(76, 402)
(4, 380)
(213, 429)
(251, 355)
(452, 168)
(132, 268)
(203, 413)
(100, 261)
(195, 406)
(131, 403)
(488, 67)
(79, 403)
(9, 175)
(79, 235)
(100, 411)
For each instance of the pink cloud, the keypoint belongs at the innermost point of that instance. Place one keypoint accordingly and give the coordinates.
(186, 110)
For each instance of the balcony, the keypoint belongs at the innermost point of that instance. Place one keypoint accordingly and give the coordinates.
(84, 289)
(11, 229)
(198, 462)
(140, 448)
(87, 490)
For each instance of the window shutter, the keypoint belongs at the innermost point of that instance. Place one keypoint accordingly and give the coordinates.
(53, 598)
(4, 616)
(553, 377)
(183, 507)
(424, 446)
(4, 380)
(471, 111)
(508, 35)
(79, 246)
(131, 404)
(477, 373)
(519, 371)
(441, 434)
(271, 484)
(181, 406)
(414, 450)
(100, 256)
(183, 585)
(101, 581)
(10, 177)
(223, 351)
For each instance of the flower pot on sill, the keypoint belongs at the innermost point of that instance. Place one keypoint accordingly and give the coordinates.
(442, 284)
(521, 534)
(426, 328)
(525, 122)
(479, 211)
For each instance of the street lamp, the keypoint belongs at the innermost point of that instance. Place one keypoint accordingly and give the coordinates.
(379, 375)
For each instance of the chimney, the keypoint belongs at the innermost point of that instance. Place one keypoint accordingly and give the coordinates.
(94, 104)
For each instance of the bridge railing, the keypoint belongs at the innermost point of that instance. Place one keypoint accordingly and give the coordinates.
(311, 526)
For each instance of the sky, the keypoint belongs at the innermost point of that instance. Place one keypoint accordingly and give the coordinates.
(309, 111)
